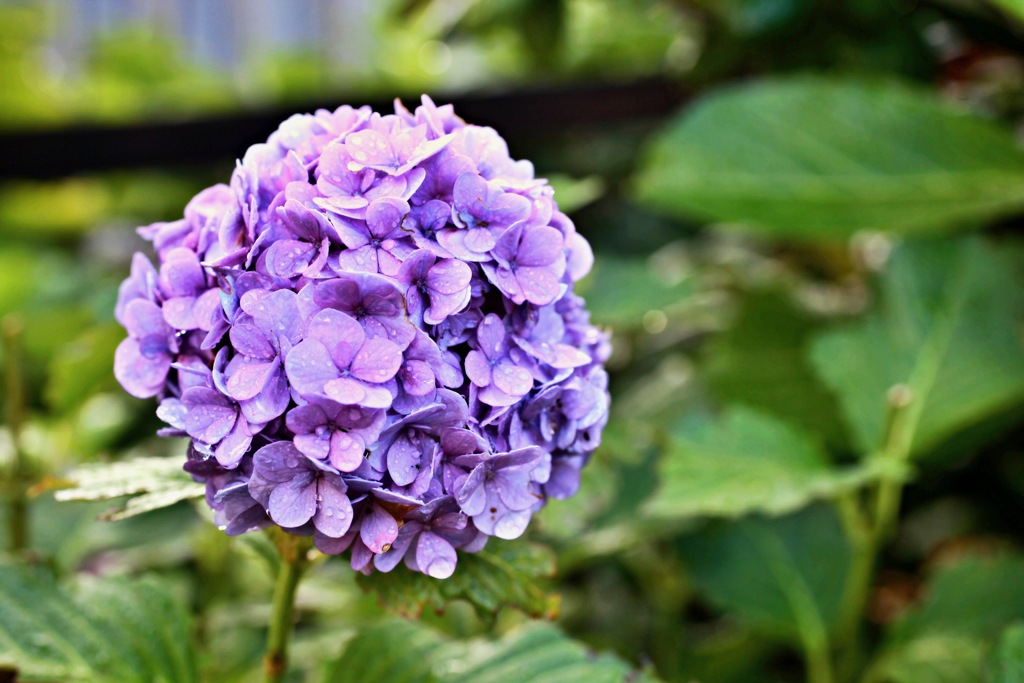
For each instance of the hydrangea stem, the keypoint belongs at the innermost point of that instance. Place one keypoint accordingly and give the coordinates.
(15, 400)
(293, 552)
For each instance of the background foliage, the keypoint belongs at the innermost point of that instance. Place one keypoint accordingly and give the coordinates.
(814, 469)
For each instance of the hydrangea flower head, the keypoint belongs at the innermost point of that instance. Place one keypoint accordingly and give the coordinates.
(370, 337)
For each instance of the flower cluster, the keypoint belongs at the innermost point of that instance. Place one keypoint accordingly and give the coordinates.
(370, 336)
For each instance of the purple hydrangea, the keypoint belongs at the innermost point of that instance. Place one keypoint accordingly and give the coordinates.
(370, 337)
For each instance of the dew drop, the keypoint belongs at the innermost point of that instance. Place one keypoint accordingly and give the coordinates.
(329, 512)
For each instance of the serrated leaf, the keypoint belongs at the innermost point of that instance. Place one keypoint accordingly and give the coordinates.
(392, 652)
(747, 462)
(945, 327)
(815, 158)
(108, 631)
(512, 574)
(783, 575)
(402, 652)
(947, 636)
(152, 483)
(936, 659)
(975, 597)
(539, 653)
(1008, 661)
(619, 291)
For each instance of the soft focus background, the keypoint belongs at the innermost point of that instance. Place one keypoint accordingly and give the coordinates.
(806, 217)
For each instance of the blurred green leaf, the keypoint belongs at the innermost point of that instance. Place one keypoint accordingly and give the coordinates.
(946, 328)
(940, 658)
(1008, 663)
(392, 652)
(783, 575)
(511, 575)
(747, 462)
(814, 158)
(108, 630)
(761, 361)
(575, 193)
(976, 597)
(619, 291)
(1014, 8)
(83, 366)
(152, 483)
(947, 636)
(400, 652)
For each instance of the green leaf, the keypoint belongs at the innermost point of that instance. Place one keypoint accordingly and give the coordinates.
(783, 575)
(619, 291)
(539, 653)
(1008, 663)
(948, 635)
(814, 158)
(747, 462)
(109, 630)
(1015, 8)
(83, 366)
(761, 361)
(510, 575)
(401, 652)
(936, 659)
(152, 483)
(945, 328)
(975, 597)
(573, 194)
(392, 652)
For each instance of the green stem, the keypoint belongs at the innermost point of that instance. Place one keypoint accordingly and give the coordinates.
(292, 550)
(13, 330)
(819, 663)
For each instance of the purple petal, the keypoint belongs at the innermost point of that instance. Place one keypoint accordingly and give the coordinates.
(435, 556)
(471, 495)
(339, 333)
(378, 528)
(346, 390)
(141, 376)
(249, 379)
(478, 369)
(513, 488)
(309, 367)
(181, 274)
(292, 503)
(417, 378)
(539, 246)
(449, 276)
(346, 451)
(333, 508)
(210, 415)
(306, 418)
(271, 402)
(289, 258)
(490, 336)
(312, 445)
(250, 341)
(377, 361)
(384, 216)
(404, 460)
(539, 285)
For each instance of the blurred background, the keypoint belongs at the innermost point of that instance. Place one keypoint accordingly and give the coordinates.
(806, 217)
